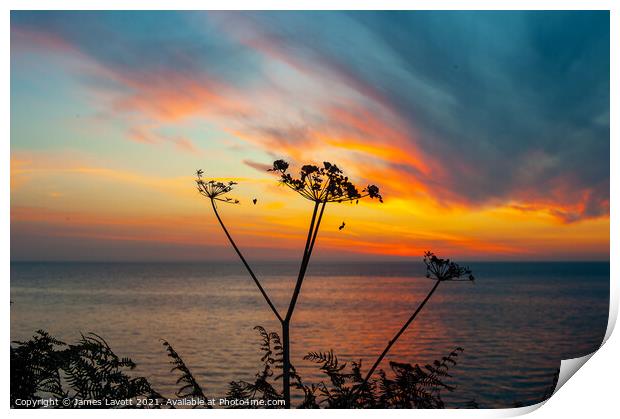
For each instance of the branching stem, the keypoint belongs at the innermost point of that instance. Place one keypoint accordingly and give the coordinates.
(312, 232)
(245, 263)
(395, 338)
(315, 224)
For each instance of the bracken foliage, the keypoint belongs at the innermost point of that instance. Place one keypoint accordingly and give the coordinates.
(409, 386)
(263, 386)
(45, 367)
(415, 386)
(189, 386)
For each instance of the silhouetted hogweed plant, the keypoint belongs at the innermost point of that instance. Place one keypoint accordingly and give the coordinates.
(441, 270)
(321, 185)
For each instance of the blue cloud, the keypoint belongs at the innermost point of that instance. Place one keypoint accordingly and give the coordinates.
(491, 90)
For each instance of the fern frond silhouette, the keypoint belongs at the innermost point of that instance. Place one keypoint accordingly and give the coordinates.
(44, 367)
(189, 386)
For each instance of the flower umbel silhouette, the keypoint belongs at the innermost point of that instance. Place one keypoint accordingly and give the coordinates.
(214, 190)
(323, 184)
(444, 270)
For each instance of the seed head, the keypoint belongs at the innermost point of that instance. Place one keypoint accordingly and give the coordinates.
(324, 184)
(213, 190)
(444, 270)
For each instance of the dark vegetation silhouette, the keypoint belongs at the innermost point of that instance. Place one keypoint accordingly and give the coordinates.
(407, 386)
(45, 367)
(189, 386)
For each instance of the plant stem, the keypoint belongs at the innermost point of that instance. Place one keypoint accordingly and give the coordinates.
(304, 267)
(316, 231)
(400, 332)
(286, 346)
(286, 365)
(304, 261)
(245, 263)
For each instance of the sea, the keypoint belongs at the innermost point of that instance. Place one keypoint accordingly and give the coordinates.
(515, 322)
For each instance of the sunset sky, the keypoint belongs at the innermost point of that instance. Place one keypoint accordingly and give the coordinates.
(488, 133)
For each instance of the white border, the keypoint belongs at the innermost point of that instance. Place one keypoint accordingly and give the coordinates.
(592, 393)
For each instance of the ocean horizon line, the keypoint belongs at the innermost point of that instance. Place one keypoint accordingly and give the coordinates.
(325, 261)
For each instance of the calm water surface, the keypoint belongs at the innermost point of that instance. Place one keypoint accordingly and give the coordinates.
(516, 322)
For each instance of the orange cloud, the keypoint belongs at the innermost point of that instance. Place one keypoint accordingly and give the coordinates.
(172, 96)
(383, 137)
(147, 136)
